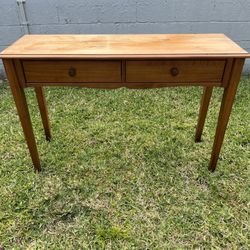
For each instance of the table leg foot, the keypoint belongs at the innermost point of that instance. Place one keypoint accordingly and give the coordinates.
(212, 165)
(48, 138)
(197, 139)
(37, 168)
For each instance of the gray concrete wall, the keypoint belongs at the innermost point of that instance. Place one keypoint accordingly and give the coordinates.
(231, 17)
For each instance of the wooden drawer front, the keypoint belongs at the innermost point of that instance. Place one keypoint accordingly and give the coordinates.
(174, 71)
(40, 71)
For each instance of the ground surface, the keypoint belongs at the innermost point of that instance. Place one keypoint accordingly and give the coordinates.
(123, 172)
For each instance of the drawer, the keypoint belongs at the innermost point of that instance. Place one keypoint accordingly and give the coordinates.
(71, 71)
(175, 71)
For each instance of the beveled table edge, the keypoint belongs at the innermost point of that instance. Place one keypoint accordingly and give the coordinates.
(122, 56)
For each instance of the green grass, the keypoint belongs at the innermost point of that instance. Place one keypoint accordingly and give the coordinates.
(123, 172)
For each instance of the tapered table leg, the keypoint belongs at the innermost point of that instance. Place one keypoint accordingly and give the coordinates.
(207, 93)
(23, 112)
(43, 111)
(225, 110)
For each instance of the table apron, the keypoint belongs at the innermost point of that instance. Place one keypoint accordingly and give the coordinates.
(130, 73)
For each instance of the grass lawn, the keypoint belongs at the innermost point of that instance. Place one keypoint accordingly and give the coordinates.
(123, 172)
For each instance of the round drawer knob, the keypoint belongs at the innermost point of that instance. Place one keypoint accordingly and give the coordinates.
(72, 72)
(174, 72)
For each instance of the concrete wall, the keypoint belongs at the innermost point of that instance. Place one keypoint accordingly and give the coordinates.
(231, 17)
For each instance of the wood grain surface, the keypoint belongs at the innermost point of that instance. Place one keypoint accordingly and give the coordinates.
(124, 46)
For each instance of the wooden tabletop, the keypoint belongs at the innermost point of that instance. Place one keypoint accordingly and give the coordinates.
(124, 46)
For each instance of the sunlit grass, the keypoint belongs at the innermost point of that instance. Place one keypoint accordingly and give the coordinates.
(123, 172)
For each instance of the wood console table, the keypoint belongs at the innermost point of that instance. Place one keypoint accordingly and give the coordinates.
(133, 61)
